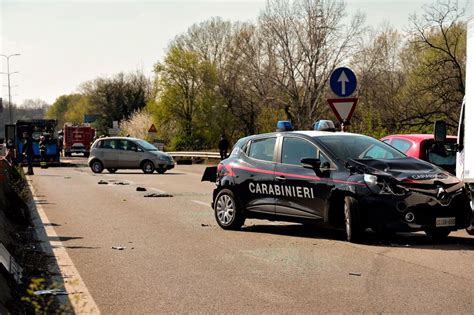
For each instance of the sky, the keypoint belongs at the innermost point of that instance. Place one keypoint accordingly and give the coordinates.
(63, 43)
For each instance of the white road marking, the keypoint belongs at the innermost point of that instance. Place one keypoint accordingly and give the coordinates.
(202, 203)
(79, 297)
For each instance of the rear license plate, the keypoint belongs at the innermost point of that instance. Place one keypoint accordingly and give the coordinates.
(440, 222)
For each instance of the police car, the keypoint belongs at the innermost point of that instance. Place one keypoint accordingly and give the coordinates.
(347, 180)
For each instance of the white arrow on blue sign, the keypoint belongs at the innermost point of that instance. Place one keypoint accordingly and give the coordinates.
(343, 82)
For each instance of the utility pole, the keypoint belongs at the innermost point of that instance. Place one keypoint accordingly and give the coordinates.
(9, 85)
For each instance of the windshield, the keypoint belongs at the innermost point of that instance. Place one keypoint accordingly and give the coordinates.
(347, 147)
(146, 145)
(443, 155)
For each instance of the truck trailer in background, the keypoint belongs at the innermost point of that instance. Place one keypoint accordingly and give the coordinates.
(35, 128)
(77, 139)
(465, 155)
(465, 141)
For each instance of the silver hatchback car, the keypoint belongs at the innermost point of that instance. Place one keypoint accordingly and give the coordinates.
(113, 153)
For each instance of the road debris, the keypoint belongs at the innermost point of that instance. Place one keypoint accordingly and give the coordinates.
(141, 189)
(355, 274)
(399, 245)
(158, 195)
(119, 247)
(102, 182)
(204, 225)
(51, 292)
(67, 177)
(121, 183)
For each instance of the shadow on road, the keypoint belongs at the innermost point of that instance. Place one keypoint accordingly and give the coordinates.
(409, 240)
(141, 173)
(63, 238)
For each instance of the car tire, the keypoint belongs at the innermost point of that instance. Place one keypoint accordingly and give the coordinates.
(148, 167)
(352, 222)
(111, 170)
(160, 170)
(97, 166)
(227, 211)
(438, 234)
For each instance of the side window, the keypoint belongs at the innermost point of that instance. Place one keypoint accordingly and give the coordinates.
(401, 145)
(294, 149)
(323, 158)
(127, 145)
(240, 146)
(99, 144)
(262, 149)
(109, 144)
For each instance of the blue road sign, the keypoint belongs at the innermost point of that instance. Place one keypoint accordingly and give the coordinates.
(343, 82)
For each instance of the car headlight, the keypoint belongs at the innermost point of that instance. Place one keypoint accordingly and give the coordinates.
(381, 185)
(371, 182)
(165, 158)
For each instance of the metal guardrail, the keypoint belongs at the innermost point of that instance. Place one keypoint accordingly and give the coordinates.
(190, 154)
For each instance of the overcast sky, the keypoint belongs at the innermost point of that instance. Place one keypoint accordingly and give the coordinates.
(65, 43)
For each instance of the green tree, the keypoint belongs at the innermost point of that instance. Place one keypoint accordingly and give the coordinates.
(61, 107)
(186, 89)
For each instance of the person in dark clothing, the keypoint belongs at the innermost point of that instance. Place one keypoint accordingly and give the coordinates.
(28, 152)
(223, 147)
(42, 149)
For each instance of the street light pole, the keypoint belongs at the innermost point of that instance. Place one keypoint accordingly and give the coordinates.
(9, 86)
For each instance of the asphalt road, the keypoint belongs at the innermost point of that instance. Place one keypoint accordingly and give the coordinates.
(177, 259)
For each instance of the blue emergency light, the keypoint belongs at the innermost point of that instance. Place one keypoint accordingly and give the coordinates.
(284, 125)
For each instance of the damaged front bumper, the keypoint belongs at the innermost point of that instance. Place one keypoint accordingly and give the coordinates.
(418, 209)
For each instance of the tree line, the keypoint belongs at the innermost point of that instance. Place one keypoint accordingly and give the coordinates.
(239, 78)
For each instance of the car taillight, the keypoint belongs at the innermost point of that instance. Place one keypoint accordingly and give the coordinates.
(224, 170)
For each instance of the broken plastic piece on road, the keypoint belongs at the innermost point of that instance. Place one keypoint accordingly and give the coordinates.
(102, 182)
(119, 247)
(205, 225)
(141, 189)
(355, 274)
(51, 292)
(121, 183)
(158, 195)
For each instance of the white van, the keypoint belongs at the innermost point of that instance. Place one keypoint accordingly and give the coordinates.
(465, 155)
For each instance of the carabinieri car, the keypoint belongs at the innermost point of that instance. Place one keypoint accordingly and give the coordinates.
(347, 180)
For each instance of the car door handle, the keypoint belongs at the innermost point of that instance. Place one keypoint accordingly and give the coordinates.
(280, 178)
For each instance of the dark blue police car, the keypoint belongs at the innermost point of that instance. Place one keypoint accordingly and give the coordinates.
(346, 180)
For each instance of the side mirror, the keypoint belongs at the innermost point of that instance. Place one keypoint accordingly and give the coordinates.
(440, 131)
(311, 163)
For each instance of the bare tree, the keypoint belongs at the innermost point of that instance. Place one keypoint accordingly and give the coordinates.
(438, 35)
(305, 40)
(381, 79)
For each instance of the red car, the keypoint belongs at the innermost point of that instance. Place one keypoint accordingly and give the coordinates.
(423, 146)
